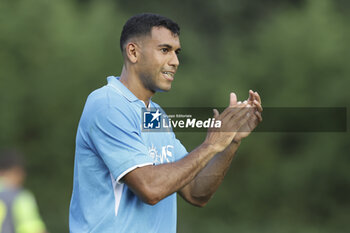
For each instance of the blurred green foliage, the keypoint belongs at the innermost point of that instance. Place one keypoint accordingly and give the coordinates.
(294, 53)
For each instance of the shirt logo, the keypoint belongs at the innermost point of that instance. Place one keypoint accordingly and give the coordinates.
(151, 119)
(163, 156)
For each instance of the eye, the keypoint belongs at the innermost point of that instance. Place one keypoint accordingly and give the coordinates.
(164, 50)
(177, 52)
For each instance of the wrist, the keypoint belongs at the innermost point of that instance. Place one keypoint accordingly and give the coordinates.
(211, 148)
(236, 141)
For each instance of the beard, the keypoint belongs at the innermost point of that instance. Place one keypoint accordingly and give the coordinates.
(153, 82)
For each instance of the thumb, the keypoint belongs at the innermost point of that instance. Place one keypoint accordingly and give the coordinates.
(233, 99)
(216, 113)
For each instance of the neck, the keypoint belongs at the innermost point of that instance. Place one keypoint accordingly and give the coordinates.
(132, 81)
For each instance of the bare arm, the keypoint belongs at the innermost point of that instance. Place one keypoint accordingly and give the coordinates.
(153, 183)
(199, 191)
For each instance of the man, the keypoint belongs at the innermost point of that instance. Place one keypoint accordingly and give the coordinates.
(119, 185)
(18, 210)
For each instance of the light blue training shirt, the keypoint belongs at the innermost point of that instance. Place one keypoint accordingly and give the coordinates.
(109, 144)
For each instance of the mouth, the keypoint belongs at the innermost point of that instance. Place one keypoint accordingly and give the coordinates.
(169, 75)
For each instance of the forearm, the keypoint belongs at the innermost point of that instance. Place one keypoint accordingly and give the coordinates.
(162, 180)
(200, 189)
(153, 183)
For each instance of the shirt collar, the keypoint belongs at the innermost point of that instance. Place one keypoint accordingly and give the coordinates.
(115, 83)
(118, 86)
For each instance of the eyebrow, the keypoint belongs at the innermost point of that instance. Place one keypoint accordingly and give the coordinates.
(169, 47)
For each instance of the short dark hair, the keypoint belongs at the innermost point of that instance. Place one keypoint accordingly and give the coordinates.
(142, 24)
(10, 158)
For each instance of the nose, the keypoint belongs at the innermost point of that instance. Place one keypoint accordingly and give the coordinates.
(174, 61)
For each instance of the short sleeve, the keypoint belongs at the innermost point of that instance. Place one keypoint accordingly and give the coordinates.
(180, 150)
(117, 140)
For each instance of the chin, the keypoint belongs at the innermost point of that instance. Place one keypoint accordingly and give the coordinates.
(164, 89)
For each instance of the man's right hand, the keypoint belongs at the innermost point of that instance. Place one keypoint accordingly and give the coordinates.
(232, 119)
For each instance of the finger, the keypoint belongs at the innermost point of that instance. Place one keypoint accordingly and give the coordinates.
(236, 123)
(233, 99)
(258, 115)
(257, 96)
(251, 96)
(253, 123)
(243, 119)
(242, 113)
(232, 110)
(228, 113)
(258, 106)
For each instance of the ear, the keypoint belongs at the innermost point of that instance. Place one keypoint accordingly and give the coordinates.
(132, 52)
